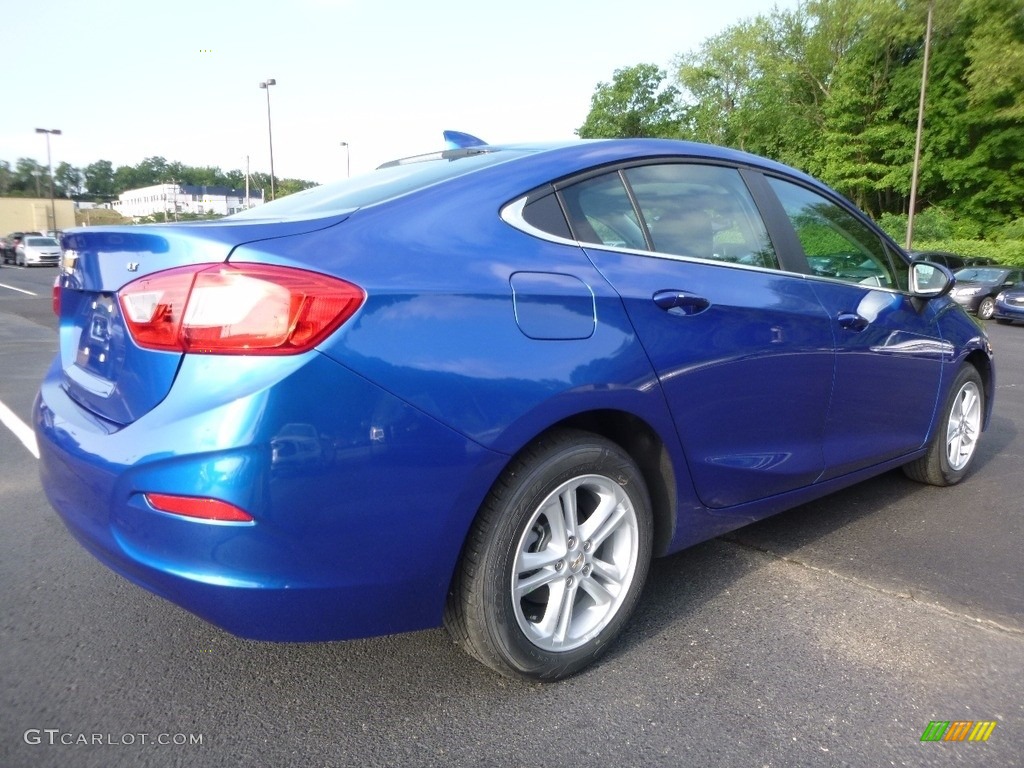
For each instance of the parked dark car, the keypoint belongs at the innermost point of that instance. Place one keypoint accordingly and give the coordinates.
(1009, 305)
(980, 261)
(485, 387)
(977, 287)
(950, 261)
(9, 246)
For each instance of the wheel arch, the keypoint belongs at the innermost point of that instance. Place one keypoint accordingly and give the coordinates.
(645, 447)
(983, 364)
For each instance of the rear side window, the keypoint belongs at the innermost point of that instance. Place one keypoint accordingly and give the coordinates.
(601, 211)
(544, 213)
(836, 243)
(682, 209)
(704, 211)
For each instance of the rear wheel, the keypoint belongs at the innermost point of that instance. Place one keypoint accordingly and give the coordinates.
(556, 560)
(954, 444)
(986, 308)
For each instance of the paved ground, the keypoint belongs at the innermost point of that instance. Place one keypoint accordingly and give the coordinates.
(829, 635)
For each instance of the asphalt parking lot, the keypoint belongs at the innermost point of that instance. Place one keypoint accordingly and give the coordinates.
(832, 634)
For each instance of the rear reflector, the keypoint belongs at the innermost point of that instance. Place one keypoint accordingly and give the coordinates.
(198, 507)
(240, 309)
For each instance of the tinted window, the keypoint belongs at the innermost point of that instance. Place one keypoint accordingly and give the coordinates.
(702, 211)
(601, 212)
(545, 214)
(837, 244)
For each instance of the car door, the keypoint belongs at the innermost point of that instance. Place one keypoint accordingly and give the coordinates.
(889, 351)
(742, 349)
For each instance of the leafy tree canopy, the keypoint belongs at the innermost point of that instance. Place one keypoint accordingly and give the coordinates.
(832, 87)
(637, 103)
(100, 181)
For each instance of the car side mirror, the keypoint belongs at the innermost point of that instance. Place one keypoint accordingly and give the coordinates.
(929, 280)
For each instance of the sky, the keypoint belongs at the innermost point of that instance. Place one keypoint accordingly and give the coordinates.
(129, 79)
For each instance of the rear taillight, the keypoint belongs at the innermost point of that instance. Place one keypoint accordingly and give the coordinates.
(240, 309)
(55, 296)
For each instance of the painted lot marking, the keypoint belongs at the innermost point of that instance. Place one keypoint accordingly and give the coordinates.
(19, 290)
(20, 429)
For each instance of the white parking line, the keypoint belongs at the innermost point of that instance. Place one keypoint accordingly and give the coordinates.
(19, 290)
(21, 430)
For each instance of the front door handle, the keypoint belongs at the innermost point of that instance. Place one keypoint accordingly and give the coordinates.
(681, 303)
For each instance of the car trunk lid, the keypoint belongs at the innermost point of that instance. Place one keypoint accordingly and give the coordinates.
(104, 370)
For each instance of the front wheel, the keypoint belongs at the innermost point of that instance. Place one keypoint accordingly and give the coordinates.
(954, 444)
(986, 308)
(556, 561)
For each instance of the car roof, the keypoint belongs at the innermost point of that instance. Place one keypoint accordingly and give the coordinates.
(502, 171)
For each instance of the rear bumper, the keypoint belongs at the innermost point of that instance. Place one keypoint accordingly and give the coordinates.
(357, 539)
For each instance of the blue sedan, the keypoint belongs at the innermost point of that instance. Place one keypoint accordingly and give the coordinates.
(1009, 306)
(485, 387)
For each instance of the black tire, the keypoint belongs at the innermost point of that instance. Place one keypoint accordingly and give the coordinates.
(986, 308)
(954, 445)
(523, 599)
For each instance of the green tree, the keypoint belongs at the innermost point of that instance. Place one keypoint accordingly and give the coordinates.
(99, 179)
(30, 178)
(637, 103)
(6, 177)
(68, 180)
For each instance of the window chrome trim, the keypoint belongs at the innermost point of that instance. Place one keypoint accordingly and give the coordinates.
(512, 214)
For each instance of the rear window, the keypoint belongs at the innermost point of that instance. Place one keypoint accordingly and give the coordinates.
(376, 186)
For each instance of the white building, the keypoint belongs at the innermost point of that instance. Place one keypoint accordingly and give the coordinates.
(185, 198)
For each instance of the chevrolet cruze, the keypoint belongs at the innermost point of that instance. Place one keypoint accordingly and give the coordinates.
(486, 387)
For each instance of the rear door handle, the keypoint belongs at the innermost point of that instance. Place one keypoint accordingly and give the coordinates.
(681, 303)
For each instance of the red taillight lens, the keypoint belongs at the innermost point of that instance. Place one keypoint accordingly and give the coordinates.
(55, 296)
(241, 309)
(198, 507)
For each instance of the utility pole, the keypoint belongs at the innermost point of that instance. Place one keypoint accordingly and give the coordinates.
(920, 130)
(49, 163)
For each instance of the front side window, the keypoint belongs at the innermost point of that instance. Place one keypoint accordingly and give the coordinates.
(836, 243)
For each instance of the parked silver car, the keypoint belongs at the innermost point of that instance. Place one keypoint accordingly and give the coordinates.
(37, 250)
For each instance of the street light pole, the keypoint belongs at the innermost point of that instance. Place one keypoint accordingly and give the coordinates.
(265, 85)
(49, 164)
(348, 159)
